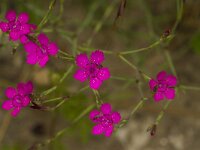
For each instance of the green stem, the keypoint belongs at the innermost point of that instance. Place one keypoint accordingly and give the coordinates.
(46, 17)
(97, 98)
(161, 114)
(185, 87)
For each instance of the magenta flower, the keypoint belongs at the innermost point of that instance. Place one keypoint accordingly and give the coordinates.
(163, 86)
(39, 52)
(18, 98)
(92, 69)
(18, 27)
(104, 119)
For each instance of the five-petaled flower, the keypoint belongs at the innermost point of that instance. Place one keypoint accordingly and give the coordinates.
(91, 69)
(163, 86)
(104, 119)
(18, 27)
(39, 52)
(18, 98)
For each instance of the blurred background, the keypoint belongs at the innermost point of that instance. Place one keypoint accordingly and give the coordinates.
(92, 24)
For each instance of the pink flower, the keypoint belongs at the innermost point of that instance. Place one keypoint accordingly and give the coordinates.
(18, 27)
(18, 98)
(104, 119)
(163, 86)
(39, 52)
(92, 69)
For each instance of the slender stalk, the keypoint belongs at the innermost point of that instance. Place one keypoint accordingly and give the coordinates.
(185, 87)
(97, 98)
(46, 17)
(161, 114)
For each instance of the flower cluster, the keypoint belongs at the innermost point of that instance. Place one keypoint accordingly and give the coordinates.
(163, 86)
(40, 48)
(18, 98)
(92, 69)
(39, 51)
(17, 27)
(104, 119)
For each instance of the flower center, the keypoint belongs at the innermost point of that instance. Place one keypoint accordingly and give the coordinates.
(17, 100)
(162, 86)
(93, 70)
(105, 120)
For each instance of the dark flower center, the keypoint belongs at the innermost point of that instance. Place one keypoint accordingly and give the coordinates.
(104, 119)
(17, 100)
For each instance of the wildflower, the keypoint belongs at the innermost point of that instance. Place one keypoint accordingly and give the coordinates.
(163, 86)
(105, 120)
(18, 98)
(39, 51)
(17, 27)
(92, 69)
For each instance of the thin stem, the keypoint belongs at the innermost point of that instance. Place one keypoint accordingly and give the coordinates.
(161, 114)
(121, 78)
(64, 53)
(185, 87)
(97, 98)
(170, 62)
(66, 73)
(52, 100)
(142, 49)
(60, 81)
(46, 17)
(145, 76)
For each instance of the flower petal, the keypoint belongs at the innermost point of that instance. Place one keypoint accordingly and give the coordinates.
(23, 39)
(170, 93)
(116, 117)
(14, 35)
(98, 129)
(43, 61)
(43, 39)
(11, 15)
(171, 80)
(23, 18)
(106, 108)
(4, 26)
(10, 92)
(82, 60)
(32, 58)
(104, 74)
(152, 84)
(30, 47)
(158, 96)
(25, 29)
(29, 87)
(97, 57)
(162, 75)
(7, 105)
(53, 49)
(81, 75)
(95, 83)
(26, 101)
(21, 88)
(109, 131)
(93, 115)
(15, 111)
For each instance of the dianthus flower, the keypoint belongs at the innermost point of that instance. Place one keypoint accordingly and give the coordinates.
(91, 69)
(39, 52)
(163, 86)
(18, 98)
(104, 119)
(17, 27)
